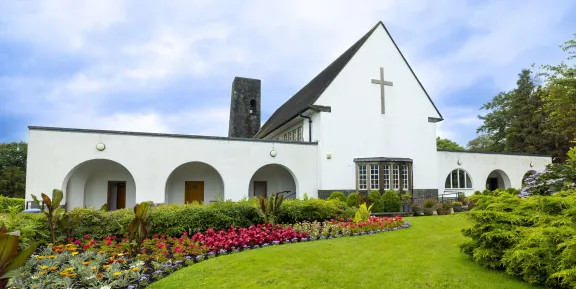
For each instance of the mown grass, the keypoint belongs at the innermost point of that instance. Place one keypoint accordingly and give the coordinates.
(424, 256)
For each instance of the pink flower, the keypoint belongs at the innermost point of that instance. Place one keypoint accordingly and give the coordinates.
(86, 236)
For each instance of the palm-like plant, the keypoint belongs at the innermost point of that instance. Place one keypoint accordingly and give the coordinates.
(53, 211)
(10, 258)
(270, 208)
(140, 226)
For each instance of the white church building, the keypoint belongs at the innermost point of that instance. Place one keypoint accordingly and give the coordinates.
(364, 123)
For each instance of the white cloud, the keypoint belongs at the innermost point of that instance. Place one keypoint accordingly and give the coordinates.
(136, 48)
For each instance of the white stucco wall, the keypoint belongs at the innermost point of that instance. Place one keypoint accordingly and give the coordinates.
(480, 165)
(151, 158)
(356, 128)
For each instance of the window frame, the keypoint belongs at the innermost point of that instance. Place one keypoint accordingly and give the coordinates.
(384, 176)
(451, 181)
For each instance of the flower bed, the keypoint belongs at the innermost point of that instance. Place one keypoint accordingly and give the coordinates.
(91, 263)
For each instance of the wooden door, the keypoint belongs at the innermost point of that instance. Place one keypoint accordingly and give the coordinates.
(116, 195)
(121, 195)
(260, 189)
(193, 191)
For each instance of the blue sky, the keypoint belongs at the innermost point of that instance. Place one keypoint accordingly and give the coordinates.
(168, 67)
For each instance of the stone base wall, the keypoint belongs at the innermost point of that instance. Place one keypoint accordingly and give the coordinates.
(425, 194)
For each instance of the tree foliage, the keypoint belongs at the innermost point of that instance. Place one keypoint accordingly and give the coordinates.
(13, 169)
(446, 144)
(533, 118)
(560, 99)
(515, 120)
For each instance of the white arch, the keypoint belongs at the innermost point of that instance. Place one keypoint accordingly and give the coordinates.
(500, 179)
(279, 178)
(194, 171)
(526, 175)
(87, 183)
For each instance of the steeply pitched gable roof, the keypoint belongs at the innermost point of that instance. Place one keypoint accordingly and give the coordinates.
(306, 97)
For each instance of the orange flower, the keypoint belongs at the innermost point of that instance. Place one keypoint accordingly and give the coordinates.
(87, 262)
(100, 276)
(53, 268)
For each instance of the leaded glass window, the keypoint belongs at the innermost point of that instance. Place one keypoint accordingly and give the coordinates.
(374, 177)
(458, 179)
(362, 177)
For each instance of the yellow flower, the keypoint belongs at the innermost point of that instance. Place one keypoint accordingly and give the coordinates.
(40, 257)
(43, 267)
(135, 269)
(116, 274)
(69, 269)
(101, 252)
(74, 253)
(87, 262)
(42, 273)
(52, 257)
(94, 268)
(120, 254)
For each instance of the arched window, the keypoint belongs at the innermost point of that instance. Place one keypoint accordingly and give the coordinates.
(458, 179)
(253, 106)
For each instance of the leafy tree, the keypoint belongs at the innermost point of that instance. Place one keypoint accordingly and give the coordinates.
(13, 182)
(515, 121)
(482, 143)
(13, 169)
(446, 144)
(560, 99)
(13, 155)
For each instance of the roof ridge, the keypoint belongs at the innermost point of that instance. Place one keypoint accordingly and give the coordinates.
(308, 94)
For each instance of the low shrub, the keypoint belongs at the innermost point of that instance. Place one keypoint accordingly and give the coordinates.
(338, 196)
(390, 201)
(374, 199)
(32, 227)
(173, 219)
(6, 203)
(293, 211)
(352, 200)
(532, 237)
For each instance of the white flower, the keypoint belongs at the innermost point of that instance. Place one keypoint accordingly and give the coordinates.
(105, 287)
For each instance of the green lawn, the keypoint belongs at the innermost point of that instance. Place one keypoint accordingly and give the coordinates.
(424, 256)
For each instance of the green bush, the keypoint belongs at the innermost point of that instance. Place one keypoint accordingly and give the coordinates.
(390, 201)
(352, 200)
(32, 227)
(339, 196)
(6, 203)
(293, 211)
(376, 201)
(174, 219)
(533, 238)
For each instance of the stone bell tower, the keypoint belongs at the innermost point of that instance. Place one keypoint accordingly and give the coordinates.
(244, 108)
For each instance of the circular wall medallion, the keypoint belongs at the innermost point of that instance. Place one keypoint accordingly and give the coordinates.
(100, 146)
(273, 153)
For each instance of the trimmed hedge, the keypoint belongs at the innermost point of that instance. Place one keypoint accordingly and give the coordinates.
(174, 219)
(293, 211)
(6, 202)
